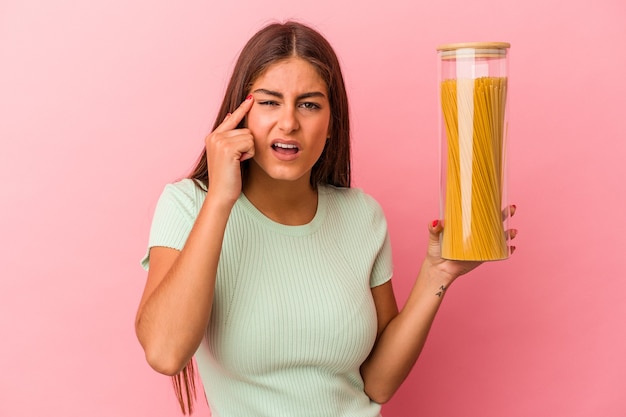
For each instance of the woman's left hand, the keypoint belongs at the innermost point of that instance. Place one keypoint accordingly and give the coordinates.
(455, 269)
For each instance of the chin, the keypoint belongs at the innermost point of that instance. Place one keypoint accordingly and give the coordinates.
(280, 173)
(290, 177)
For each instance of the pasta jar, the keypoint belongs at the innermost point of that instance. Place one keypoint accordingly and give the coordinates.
(473, 139)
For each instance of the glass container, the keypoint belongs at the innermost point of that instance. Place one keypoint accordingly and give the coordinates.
(473, 79)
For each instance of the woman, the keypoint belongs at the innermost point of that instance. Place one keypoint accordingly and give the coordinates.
(268, 268)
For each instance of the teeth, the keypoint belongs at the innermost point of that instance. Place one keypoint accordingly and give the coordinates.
(285, 146)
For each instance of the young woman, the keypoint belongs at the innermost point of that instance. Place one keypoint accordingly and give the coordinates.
(267, 268)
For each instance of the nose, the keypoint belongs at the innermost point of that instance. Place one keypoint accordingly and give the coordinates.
(288, 120)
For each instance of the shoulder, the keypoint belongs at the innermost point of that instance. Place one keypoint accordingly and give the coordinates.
(185, 190)
(354, 202)
(184, 197)
(350, 197)
(186, 186)
(174, 215)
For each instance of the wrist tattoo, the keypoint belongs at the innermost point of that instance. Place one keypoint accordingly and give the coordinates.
(442, 289)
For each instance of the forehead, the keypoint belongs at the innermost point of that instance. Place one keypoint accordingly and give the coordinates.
(291, 75)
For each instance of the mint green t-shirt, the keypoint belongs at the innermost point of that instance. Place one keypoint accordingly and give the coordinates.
(293, 317)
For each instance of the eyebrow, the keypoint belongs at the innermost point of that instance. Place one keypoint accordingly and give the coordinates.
(280, 95)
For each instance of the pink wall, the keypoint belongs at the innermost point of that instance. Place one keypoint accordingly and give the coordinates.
(101, 103)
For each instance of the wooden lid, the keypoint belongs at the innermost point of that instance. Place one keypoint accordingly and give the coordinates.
(476, 49)
(474, 45)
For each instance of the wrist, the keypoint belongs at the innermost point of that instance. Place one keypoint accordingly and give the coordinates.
(221, 201)
(216, 207)
(437, 274)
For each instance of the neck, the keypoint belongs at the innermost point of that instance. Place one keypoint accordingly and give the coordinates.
(292, 203)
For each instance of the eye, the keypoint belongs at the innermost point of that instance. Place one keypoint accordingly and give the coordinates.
(310, 105)
(269, 103)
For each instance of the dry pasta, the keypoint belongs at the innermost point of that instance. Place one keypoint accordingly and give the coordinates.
(473, 112)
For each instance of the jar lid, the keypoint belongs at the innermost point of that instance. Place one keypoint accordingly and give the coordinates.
(473, 49)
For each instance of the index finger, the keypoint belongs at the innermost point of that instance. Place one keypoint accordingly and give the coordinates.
(231, 121)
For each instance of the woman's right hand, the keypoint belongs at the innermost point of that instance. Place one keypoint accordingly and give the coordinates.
(226, 148)
(176, 304)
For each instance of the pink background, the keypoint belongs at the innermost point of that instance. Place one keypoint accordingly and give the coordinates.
(103, 102)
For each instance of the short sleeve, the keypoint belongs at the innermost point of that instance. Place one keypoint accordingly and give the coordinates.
(382, 269)
(174, 216)
(383, 265)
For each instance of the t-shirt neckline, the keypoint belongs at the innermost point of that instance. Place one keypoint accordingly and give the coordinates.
(300, 230)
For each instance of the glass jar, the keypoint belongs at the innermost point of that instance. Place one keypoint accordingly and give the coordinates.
(473, 79)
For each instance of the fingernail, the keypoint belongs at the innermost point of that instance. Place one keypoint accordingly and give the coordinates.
(228, 114)
(249, 97)
(435, 223)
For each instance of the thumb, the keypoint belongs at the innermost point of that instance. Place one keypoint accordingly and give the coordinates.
(434, 233)
(435, 228)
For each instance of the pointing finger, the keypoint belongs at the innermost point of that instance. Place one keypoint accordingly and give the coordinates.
(231, 121)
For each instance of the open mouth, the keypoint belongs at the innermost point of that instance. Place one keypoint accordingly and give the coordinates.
(285, 148)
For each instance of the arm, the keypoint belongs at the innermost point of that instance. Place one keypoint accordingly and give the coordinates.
(402, 339)
(403, 335)
(175, 307)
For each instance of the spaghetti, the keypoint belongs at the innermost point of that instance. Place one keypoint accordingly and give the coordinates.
(473, 112)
